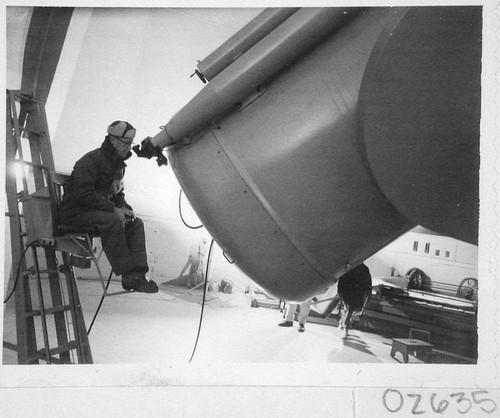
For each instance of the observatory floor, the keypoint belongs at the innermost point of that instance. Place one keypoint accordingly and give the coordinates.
(162, 328)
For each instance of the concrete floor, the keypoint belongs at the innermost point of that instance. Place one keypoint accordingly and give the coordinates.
(162, 328)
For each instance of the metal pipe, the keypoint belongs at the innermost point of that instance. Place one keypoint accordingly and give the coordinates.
(243, 40)
(279, 49)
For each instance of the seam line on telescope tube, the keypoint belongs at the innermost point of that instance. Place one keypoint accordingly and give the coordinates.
(287, 43)
(252, 186)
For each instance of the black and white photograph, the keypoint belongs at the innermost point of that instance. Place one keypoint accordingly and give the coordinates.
(251, 210)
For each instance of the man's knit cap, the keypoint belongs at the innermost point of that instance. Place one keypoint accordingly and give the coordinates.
(121, 129)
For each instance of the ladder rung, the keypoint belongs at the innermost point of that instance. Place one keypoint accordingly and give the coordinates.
(41, 354)
(13, 215)
(23, 95)
(48, 271)
(10, 346)
(32, 272)
(53, 360)
(56, 360)
(49, 311)
(32, 164)
(72, 345)
(32, 132)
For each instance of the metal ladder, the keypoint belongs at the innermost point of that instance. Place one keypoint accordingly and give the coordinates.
(47, 304)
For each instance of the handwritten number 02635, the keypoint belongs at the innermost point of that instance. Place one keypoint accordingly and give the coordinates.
(394, 401)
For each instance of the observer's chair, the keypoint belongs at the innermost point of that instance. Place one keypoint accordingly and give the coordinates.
(418, 344)
(79, 242)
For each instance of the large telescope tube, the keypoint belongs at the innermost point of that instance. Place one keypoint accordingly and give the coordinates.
(302, 157)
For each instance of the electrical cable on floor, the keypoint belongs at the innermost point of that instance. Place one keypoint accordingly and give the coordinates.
(100, 303)
(204, 290)
(180, 213)
(203, 299)
(18, 268)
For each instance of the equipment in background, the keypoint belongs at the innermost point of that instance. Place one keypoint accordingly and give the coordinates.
(391, 311)
(417, 344)
(260, 299)
(196, 275)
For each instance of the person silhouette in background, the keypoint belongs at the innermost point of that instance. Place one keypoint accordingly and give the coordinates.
(353, 289)
(194, 262)
(305, 308)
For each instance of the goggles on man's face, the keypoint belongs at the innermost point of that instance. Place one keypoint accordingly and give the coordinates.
(129, 144)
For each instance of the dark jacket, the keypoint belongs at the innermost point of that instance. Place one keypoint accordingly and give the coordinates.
(96, 183)
(355, 285)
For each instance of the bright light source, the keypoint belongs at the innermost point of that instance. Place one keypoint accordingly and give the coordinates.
(18, 169)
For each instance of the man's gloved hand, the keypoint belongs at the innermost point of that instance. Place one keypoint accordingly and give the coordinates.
(148, 150)
(125, 215)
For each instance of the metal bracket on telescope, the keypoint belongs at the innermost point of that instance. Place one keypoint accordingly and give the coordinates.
(200, 76)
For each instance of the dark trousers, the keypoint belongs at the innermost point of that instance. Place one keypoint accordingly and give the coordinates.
(125, 247)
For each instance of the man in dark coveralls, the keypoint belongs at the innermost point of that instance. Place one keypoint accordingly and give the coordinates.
(94, 198)
(353, 288)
